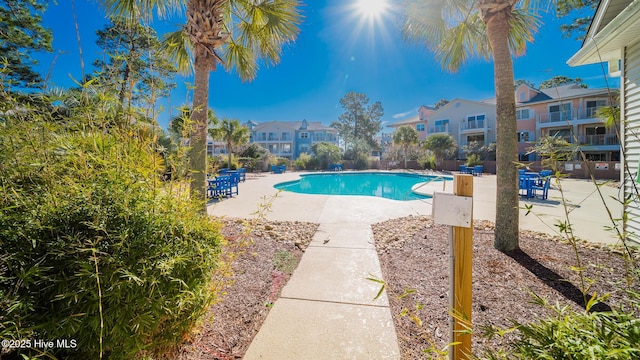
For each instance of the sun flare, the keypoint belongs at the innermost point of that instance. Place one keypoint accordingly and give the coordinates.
(372, 8)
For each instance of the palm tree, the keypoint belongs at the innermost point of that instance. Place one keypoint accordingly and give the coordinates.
(234, 33)
(231, 132)
(405, 136)
(458, 29)
(180, 125)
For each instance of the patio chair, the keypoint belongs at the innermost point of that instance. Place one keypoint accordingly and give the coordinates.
(544, 189)
(220, 186)
(477, 170)
(243, 174)
(233, 183)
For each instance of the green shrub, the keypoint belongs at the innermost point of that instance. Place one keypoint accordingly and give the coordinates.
(578, 335)
(361, 162)
(473, 159)
(307, 162)
(427, 160)
(94, 247)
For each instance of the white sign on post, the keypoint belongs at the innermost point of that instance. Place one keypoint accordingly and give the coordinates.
(452, 210)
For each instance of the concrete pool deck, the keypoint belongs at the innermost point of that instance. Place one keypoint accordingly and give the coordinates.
(586, 210)
(326, 310)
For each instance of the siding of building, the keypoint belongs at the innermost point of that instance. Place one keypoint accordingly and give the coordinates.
(631, 129)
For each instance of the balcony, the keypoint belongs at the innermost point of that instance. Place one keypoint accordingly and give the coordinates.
(473, 126)
(586, 115)
(599, 140)
(438, 129)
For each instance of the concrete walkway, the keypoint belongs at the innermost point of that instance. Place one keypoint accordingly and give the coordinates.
(326, 310)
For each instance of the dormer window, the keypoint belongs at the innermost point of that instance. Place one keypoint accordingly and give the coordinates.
(523, 96)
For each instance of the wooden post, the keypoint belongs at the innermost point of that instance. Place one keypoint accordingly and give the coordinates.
(461, 297)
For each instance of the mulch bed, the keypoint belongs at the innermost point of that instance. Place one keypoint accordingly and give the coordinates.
(503, 284)
(414, 255)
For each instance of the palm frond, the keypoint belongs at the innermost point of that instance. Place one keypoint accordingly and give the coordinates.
(242, 58)
(178, 48)
(524, 23)
(266, 26)
(424, 22)
(463, 41)
(455, 30)
(142, 9)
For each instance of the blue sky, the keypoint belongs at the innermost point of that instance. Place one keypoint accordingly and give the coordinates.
(338, 50)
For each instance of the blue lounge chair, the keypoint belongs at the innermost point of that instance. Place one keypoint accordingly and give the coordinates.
(477, 170)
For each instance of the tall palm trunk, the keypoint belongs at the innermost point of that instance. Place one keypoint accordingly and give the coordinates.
(496, 15)
(198, 152)
(204, 26)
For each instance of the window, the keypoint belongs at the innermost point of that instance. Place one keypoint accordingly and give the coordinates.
(523, 96)
(420, 127)
(600, 130)
(593, 106)
(523, 136)
(286, 148)
(273, 148)
(441, 126)
(475, 122)
(304, 135)
(522, 114)
(595, 135)
(475, 138)
(562, 134)
(272, 136)
(560, 112)
(285, 136)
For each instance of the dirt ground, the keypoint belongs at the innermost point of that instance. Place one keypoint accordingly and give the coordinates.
(414, 255)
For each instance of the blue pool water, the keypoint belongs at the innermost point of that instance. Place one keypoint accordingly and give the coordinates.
(387, 185)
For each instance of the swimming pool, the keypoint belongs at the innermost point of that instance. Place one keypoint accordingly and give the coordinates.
(395, 186)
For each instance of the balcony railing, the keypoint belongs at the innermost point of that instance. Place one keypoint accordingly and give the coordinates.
(599, 140)
(564, 116)
(439, 129)
(472, 125)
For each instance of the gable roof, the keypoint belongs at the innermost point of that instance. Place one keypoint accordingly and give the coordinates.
(410, 121)
(615, 25)
(457, 101)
